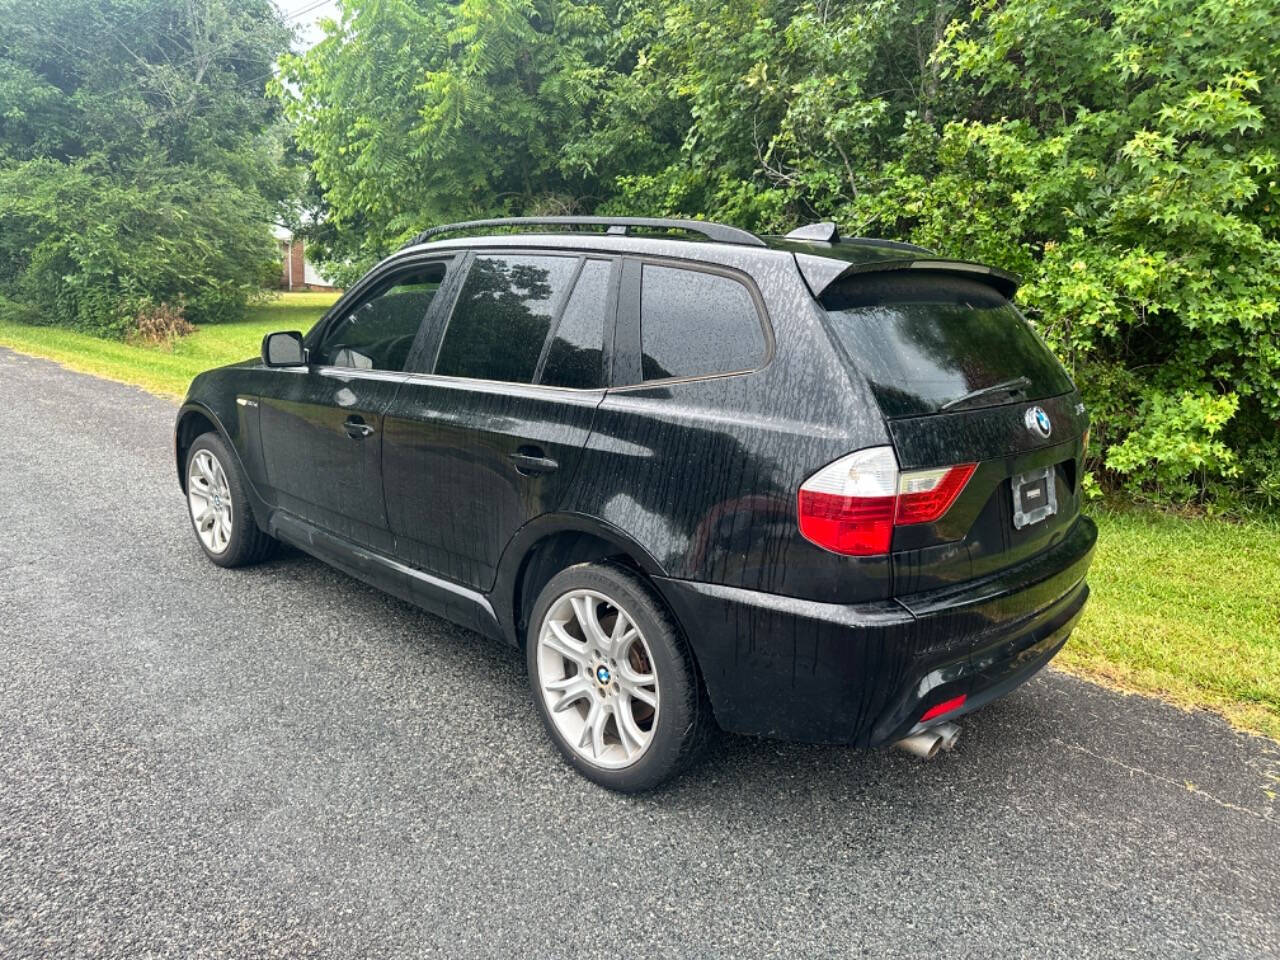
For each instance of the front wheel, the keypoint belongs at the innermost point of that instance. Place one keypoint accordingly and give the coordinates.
(219, 506)
(613, 678)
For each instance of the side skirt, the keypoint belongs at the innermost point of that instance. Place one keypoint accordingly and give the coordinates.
(463, 606)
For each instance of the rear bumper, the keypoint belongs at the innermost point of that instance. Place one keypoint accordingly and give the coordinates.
(863, 674)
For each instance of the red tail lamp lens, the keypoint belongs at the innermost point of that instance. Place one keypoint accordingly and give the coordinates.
(946, 706)
(926, 495)
(856, 526)
(851, 505)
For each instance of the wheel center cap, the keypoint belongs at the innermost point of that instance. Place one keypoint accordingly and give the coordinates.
(217, 501)
(602, 674)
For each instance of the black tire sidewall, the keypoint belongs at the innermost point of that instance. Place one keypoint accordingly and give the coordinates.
(678, 683)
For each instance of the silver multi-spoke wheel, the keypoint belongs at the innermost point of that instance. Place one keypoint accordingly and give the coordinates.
(597, 679)
(613, 678)
(209, 497)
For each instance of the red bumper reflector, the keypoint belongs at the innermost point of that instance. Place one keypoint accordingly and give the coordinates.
(946, 706)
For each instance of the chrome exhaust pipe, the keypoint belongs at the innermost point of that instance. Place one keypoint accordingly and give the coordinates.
(949, 732)
(924, 744)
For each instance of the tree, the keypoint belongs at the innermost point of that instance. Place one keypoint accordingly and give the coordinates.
(1120, 154)
(418, 111)
(140, 160)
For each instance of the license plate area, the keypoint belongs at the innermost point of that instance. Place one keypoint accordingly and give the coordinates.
(1035, 497)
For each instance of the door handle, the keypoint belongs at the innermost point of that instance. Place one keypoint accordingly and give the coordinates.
(531, 460)
(356, 428)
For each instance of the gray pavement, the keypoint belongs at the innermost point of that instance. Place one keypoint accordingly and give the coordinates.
(281, 761)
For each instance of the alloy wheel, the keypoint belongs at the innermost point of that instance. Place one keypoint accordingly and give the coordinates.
(209, 498)
(597, 679)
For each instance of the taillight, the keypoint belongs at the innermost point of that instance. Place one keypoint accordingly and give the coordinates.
(925, 495)
(852, 505)
(848, 505)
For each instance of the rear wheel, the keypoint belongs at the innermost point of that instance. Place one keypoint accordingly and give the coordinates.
(613, 678)
(219, 506)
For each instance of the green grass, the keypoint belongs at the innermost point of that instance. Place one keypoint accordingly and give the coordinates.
(160, 369)
(1186, 609)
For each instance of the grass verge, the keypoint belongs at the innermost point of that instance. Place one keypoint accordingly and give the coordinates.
(160, 369)
(1185, 609)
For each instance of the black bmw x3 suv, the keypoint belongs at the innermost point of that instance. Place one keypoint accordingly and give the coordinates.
(805, 487)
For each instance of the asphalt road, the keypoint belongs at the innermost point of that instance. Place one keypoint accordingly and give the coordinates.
(283, 762)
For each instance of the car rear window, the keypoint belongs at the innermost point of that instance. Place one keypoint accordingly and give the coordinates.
(923, 341)
(695, 324)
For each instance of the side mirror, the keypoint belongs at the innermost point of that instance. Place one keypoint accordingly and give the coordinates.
(283, 349)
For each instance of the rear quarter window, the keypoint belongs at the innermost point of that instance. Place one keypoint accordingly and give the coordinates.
(926, 340)
(575, 356)
(503, 316)
(695, 324)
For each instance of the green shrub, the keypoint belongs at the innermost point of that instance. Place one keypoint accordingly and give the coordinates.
(90, 252)
(139, 174)
(1178, 450)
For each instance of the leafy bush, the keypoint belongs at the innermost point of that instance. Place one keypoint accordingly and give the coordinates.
(1178, 447)
(1129, 150)
(89, 252)
(142, 173)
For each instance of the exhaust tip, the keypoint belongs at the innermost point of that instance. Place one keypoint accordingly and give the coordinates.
(949, 734)
(924, 744)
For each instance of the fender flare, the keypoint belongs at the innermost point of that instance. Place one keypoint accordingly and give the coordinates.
(518, 549)
(261, 509)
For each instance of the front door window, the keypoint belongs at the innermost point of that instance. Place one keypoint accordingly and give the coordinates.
(379, 331)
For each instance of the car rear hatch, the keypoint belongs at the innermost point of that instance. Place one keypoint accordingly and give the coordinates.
(961, 378)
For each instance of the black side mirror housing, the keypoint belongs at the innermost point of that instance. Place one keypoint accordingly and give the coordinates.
(284, 349)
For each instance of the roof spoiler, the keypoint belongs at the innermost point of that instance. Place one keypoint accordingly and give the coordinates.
(827, 232)
(821, 272)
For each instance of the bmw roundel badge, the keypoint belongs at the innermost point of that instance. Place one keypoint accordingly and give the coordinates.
(1038, 422)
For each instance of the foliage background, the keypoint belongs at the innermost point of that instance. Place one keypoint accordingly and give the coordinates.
(1120, 154)
(141, 163)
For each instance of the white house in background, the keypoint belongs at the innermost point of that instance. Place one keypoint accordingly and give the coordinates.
(296, 271)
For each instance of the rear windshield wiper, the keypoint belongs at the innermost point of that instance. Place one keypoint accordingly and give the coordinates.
(1016, 385)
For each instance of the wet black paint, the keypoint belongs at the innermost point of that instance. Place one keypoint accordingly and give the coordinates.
(693, 480)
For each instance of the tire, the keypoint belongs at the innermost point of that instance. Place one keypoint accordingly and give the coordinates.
(591, 694)
(230, 538)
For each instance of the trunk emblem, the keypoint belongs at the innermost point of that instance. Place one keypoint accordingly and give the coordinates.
(1038, 422)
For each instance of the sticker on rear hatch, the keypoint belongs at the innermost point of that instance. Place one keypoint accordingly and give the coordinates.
(1034, 497)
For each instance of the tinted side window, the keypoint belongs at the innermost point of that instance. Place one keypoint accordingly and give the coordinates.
(503, 316)
(377, 333)
(576, 356)
(693, 324)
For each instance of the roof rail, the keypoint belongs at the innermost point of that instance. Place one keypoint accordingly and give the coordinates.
(618, 226)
